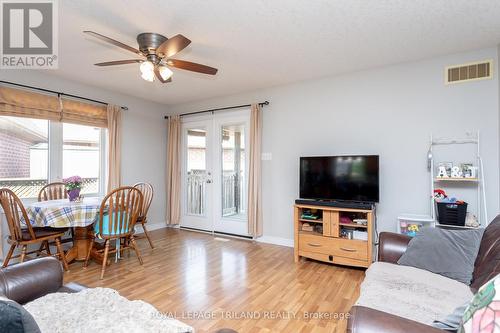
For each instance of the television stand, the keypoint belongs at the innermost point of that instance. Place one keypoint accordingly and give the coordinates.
(328, 233)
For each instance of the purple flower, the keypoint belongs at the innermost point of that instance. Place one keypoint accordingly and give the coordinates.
(73, 182)
(73, 179)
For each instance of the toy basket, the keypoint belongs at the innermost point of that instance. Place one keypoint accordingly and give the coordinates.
(407, 221)
(451, 213)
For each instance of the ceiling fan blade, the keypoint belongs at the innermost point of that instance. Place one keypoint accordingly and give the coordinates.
(191, 66)
(113, 42)
(172, 46)
(158, 76)
(119, 62)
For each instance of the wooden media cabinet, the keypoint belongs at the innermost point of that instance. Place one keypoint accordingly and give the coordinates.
(327, 242)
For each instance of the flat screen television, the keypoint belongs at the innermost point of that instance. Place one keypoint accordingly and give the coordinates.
(347, 178)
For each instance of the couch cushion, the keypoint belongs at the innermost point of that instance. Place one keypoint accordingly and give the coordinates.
(411, 293)
(15, 319)
(450, 253)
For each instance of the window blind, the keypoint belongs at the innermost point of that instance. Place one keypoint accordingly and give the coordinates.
(84, 113)
(24, 103)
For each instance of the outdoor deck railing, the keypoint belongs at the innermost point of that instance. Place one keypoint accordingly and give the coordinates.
(233, 193)
(29, 188)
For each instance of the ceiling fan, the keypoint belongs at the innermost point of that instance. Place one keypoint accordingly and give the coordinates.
(155, 51)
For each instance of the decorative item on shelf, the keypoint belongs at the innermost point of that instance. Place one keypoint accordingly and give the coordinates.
(444, 169)
(456, 172)
(310, 214)
(466, 170)
(360, 235)
(345, 220)
(346, 233)
(73, 186)
(307, 227)
(473, 172)
(471, 220)
(439, 194)
(361, 221)
(318, 228)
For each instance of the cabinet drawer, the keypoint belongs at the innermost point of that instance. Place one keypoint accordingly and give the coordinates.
(334, 246)
(350, 248)
(312, 243)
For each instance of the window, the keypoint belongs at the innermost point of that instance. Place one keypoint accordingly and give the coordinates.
(233, 171)
(81, 154)
(34, 152)
(24, 155)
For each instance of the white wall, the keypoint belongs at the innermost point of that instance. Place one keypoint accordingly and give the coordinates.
(389, 111)
(144, 131)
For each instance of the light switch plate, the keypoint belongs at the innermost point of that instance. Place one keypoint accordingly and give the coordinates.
(267, 156)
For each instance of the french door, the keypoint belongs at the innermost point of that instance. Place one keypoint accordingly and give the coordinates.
(215, 172)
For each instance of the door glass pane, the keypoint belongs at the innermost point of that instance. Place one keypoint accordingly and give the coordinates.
(24, 155)
(81, 155)
(233, 171)
(196, 171)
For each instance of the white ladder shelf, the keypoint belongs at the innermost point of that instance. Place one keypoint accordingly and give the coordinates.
(470, 139)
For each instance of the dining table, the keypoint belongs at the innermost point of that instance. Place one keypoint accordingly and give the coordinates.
(78, 215)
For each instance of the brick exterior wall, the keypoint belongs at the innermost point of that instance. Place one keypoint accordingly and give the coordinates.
(14, 157)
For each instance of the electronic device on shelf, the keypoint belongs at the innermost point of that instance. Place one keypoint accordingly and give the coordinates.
(336, 203)
(360, 221)
(340, 180)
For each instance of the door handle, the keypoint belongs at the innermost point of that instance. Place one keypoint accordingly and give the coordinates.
(347, 250)
(314, 245)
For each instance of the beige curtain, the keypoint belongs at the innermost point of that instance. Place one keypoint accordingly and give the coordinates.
(114, 146)
(174, 170)
(255, 227)
(23, 103)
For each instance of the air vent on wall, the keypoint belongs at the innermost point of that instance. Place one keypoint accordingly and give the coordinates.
(469, 72)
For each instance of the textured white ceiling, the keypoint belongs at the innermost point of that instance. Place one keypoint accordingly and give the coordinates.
(262, 43)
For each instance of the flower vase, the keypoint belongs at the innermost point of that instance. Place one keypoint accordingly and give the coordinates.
(74, 194)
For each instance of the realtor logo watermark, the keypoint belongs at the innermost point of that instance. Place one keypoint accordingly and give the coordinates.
(29, 34)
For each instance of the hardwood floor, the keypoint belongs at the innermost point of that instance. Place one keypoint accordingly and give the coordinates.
(211, 284)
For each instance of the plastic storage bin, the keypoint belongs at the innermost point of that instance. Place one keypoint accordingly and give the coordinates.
(408, 221)
(451, 213)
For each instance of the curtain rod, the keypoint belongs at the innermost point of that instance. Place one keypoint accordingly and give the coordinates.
(220, 109)
(59, 93)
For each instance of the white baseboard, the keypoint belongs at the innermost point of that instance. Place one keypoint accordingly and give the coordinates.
(150, 227)
(264, 239)
(275, 240)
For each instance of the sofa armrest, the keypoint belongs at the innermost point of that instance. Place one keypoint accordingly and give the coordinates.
(366, 320)
(32, 279)
(392, 246)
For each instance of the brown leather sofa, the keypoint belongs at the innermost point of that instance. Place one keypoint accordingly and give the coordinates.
(391, 248)
(30, 280)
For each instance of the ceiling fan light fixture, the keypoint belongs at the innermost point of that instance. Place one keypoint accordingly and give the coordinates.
(147, 71)
(147, 67)
(148, 76)
(165, 72)
(155, 51)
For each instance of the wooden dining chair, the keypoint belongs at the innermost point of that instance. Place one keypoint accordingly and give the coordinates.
(147, 196)
(53, 191)
(15, 214)
(117, 217)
